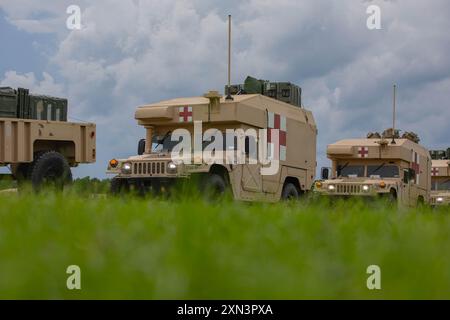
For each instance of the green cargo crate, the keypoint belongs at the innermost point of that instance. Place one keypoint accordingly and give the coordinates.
(48, 108)
(289, 93)
(8, 103)
(270, 89)
(283, 91)
(235, 89)
(253, 85)
(23, 103)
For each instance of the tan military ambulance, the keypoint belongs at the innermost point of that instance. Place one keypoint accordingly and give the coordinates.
(440, 177)
(378, 166)
(255, 105)
(37, 142)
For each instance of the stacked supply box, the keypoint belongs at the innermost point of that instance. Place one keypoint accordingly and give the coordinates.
(235, 89)
(20, 104)
(283, 91)
(289, 93)
(48, 108)
(8, 103)
(440, 154)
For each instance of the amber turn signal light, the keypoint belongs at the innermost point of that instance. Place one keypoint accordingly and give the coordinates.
(113, 163)
(382, 184)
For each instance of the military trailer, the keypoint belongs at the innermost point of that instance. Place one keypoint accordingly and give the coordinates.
(154, 169)
(388, 166)
(37, 142)
(440, 177)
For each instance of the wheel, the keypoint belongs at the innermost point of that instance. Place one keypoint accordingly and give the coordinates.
(389, 199)
(392, 198)
(50, 169)
(21, 172)
(118, 186)
(420, 202)
(215, 186)
(290, 192)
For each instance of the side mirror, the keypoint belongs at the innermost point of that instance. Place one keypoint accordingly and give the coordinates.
(325, 173)
(141, 147)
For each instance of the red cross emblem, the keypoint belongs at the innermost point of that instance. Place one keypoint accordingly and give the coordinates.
(277, 122)
(363, 152)
(185, 114)
(435, 171)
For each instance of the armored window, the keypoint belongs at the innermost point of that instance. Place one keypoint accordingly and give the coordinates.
(445, 185)
(351, 171)
(285, 93)
(164, 143)
(383, 171)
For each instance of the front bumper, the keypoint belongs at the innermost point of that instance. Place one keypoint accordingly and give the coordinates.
(440, 200)
(339, 189)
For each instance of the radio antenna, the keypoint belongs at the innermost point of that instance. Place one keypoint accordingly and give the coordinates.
(229, 97)
(393, 115)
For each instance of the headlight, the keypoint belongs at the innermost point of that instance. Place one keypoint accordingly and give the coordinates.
(366, 188)
(439, 199)
(331, 187)
(126, 168)
(171, 167)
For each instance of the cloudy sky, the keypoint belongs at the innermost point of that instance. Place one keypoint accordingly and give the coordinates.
(130, 52)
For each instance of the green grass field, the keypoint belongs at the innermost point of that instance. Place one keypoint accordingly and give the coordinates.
(187, 249)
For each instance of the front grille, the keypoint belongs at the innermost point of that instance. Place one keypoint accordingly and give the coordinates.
(349, 188)
(149, 168)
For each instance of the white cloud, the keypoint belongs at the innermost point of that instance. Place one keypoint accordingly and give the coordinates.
(46, 85)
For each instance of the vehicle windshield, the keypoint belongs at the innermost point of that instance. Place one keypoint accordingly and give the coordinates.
(383, 171)
(350, 171)
(441, 185)
(163, 143)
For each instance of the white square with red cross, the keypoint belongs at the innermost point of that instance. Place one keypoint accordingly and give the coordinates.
(185, 114)
(435, 171)
(363, 152)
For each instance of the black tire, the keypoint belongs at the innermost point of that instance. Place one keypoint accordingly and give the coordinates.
(215, 186)
(119, 186)
(420, 202)
(22, 172)
(50, 169)
(290, 192)
(390, 199)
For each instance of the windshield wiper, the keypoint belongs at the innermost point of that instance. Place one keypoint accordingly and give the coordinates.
(378, 168)
(162, 140)
(342, 168)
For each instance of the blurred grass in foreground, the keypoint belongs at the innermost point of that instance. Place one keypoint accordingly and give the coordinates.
(185, 248)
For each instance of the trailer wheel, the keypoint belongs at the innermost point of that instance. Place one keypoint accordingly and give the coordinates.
(290, 192)
(50, 169)
(21, 172)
